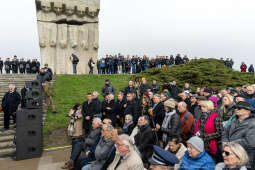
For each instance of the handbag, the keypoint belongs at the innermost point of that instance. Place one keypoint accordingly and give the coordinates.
(1, 108)
(71, 129)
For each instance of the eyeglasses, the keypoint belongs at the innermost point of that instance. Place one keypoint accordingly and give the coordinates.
(117, 144)
(226, 153)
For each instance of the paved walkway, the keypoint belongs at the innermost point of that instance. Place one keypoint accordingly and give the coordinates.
(49, 161)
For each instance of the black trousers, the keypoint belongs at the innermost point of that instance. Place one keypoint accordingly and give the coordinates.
(1, 70)
(7, 117)
(77, 145)
(7, 71)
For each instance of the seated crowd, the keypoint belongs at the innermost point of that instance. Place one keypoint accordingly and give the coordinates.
(174, 129)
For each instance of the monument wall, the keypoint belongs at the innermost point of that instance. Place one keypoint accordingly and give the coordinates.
(66, 27)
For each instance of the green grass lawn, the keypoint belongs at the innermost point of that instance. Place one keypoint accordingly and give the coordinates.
(70, 89)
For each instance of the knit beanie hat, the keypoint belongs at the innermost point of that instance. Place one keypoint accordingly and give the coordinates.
(197, 143)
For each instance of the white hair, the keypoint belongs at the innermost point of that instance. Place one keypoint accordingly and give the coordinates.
(95, 93)
(125, 139)
(183, 104)
(11, 85)
(111, 96)
(97, 120)
(129, 117)
(239, 151)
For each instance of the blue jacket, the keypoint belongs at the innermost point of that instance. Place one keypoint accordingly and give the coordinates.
(201, 162)
(251, 101)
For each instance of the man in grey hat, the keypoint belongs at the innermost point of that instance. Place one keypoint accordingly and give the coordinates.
(196, 157)
(242, 130)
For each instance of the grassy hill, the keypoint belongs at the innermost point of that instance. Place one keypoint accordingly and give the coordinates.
(202, 72)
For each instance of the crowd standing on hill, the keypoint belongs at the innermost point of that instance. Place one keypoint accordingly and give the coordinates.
(111, 64)
(164, 127)
(119, 64)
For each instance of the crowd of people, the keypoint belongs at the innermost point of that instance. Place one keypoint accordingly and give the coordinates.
(164, 127)
(21, 66)
(111, 64)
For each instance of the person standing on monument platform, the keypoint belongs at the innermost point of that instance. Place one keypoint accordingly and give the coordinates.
(75, 61)
(28, 66)
(1, 65)
(22, 65)
(91, 65)
(15, 65)
(37, 66)
(10, 103)
(33, 67)
(7, 66)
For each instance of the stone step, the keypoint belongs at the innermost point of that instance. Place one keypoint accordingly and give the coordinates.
(7, 152)
(11, 126)
(7, 144)
(6, 138)
(2, 122)
(7, 133)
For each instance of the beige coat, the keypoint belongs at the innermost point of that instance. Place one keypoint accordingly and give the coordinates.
(77, 124)
(131, 162)
(179, 155)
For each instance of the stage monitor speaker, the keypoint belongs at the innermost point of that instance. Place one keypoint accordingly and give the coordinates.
(35, 84)
(29, 142)
(27, 117)
(33, 95)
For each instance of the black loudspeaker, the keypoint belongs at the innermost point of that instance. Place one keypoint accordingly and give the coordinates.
(29, 141)
(35, 84)
(27, 117)
(34, 94)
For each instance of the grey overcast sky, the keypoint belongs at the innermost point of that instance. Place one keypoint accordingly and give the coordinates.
(202, 28)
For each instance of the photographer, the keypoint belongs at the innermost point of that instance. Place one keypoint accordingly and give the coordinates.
(45, 76)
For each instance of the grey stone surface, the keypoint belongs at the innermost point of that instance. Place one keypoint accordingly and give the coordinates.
(66, 27)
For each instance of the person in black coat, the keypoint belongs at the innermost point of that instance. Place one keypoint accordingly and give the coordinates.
(145, 139)
(33, 66)
(171, 123)
(129, 125)
(144, 87)
(97, 104)
(158, 114)
(130, 88)
(132, 107)
(1, 65)
(24, 91)
(10, 103)
(22, 66)
(108, 88)
(108, 108)
(15, 65)
(154, 87)
(158, 111)
(28, 66)
(88, 111)
(119, 109)
(7, 66)
(37, 66)
(173, 89)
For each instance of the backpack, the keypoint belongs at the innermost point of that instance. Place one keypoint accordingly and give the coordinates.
(190, 133)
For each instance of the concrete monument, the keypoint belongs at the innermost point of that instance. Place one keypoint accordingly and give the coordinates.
(66, 27)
